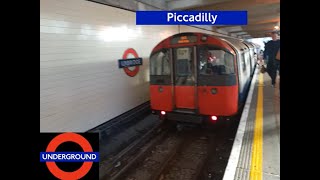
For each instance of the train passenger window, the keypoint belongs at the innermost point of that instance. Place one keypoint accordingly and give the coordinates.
(243, 62)
(160, 63)
(215, 62)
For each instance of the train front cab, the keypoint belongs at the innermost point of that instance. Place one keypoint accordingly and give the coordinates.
(195, 80)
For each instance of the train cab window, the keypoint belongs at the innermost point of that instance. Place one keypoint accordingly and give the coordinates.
(215, 62)
(160, 63)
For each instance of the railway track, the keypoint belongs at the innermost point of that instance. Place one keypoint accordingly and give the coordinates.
(188, 163)
(116, 163)
(193, 153)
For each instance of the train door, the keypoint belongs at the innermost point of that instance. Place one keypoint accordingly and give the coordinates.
(184, 78)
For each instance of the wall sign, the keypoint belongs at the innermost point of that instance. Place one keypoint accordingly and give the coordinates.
(130, 62)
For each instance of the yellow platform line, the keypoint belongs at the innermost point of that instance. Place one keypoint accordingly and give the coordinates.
(257, 146)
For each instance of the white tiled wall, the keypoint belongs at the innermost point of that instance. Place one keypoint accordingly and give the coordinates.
(81, 85)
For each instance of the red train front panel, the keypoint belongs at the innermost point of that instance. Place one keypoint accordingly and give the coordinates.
(161, 97)
(190, 72)
(218, 100)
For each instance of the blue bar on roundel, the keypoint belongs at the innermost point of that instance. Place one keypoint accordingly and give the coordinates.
(123, 63)
(69, 156)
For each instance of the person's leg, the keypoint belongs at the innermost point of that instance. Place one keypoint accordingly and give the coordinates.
(275, 72)
(272, 73)
(270, 70)
(273, 77)
(279, 77)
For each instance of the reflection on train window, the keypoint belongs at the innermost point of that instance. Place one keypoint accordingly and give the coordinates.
(184, 65)
(215, 62)
(160, 63)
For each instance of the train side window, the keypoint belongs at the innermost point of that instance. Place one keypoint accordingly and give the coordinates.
(160, 63)
(243, 62)
(215, 62)
(229, 62)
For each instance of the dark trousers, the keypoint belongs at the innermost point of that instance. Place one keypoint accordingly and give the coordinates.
(278, 62)
(272, 67)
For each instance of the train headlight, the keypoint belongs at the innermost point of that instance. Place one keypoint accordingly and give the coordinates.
(160, 89)
(214, 118)
(214, 91)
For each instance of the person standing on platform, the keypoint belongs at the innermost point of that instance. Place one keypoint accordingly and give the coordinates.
(271, 49)
(278, 61)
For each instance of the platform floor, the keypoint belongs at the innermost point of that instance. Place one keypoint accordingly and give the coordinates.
(256, 150)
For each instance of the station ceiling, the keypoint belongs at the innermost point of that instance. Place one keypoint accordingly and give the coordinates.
(263, 15)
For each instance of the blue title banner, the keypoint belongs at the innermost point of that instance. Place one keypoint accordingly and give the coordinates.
(191, 17)
(69, 156)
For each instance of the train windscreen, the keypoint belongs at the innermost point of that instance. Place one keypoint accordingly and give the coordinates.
(216, 67)
(160, 72)
(160, 63)
(215, 62)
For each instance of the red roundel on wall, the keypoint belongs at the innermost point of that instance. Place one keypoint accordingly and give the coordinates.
(135, 71)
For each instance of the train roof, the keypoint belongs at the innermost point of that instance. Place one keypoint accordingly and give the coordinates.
(249, 44)
(230, 43)
(236, 43)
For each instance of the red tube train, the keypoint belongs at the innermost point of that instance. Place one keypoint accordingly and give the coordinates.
(196, 77)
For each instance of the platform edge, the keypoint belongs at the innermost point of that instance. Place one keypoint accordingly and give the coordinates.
(231, 168)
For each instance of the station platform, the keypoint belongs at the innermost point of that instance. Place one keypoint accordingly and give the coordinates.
(256, 150)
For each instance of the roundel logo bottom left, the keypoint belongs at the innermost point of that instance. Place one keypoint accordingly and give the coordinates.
(69, 156)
